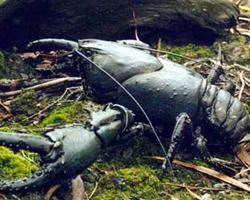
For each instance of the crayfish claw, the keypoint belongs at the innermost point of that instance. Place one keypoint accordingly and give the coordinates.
(50, 44)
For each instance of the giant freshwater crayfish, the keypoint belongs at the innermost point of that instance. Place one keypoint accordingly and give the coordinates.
(170, 95)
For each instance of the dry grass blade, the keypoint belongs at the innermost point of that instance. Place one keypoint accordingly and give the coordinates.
(243, 84)
(194, 187)
(196, 196)
(207, 171)
(94, 190)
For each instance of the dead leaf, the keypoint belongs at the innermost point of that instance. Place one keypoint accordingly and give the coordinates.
(78, 190)
(243, 155)
(51, 192)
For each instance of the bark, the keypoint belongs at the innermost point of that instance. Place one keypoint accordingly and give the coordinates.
(192, 20)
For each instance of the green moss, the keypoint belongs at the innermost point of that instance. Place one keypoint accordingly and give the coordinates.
(13, 165)
(190, 50)
(247, 107)
(2, 1)
(67, 113)
(5, 129)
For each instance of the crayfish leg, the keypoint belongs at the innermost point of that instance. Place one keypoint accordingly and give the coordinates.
(183, 124)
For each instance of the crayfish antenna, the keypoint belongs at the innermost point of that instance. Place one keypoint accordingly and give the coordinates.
(50, 44)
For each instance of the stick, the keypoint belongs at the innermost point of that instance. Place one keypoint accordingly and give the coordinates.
(41, 86)
(194, 187)
(242, 86)
(52, 104)
(242, 67)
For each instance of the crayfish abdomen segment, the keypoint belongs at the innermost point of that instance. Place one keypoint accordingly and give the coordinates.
(225, 113)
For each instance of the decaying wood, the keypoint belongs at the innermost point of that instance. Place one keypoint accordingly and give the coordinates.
(41, 86)
(22, 21)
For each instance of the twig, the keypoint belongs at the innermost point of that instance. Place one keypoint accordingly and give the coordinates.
(238, 2)
(3, 197)
(135, 21)
(241, 67)
(158, 47)
(94, 190)
(15, 197)
(194, 187)
(242, 172)
(41, 86)
(6, 108)
(242, 86)
(52, 104)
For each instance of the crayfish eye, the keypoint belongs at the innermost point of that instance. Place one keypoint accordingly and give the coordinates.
(88, 53)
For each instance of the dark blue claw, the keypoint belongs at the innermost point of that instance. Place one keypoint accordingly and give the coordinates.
(68, 151)
(52, 44)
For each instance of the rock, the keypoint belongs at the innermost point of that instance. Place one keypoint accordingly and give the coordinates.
(182, 20)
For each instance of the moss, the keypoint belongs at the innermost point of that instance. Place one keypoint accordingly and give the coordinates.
(190, 50)
(247, 107)
(128, 175)
(5, 129)
(67, 113)
(13, 165)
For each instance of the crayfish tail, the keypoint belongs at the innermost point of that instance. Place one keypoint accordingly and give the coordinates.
(52, 44)
(225, 113)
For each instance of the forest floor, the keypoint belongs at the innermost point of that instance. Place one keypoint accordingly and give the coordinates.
(121, 172)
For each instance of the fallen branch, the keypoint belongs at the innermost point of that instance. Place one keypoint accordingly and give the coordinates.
(207, 171)
(41, 86)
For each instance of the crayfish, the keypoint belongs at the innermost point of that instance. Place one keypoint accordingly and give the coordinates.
(156, 90)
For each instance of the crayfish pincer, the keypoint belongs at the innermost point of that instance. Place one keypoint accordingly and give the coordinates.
(165, 90)
(66, 152)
